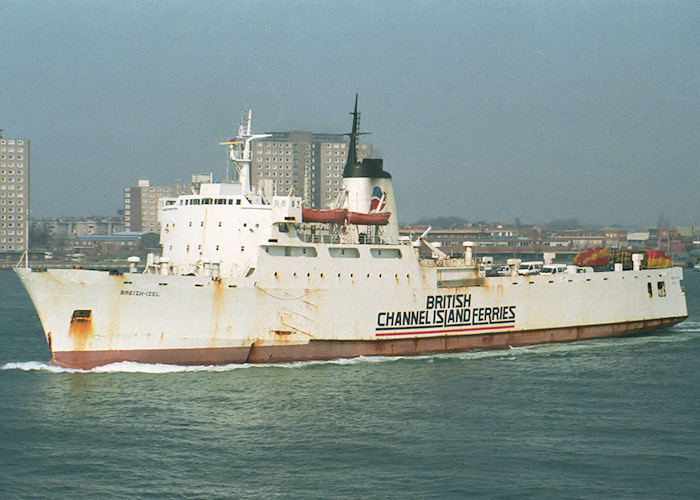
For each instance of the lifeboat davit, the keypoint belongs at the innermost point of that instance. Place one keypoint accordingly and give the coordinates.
(374, 219)
(323, 216)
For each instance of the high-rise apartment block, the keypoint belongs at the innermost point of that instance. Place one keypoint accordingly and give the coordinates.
(141, 206)
(14, 195)
(306, 164)
(141, 202)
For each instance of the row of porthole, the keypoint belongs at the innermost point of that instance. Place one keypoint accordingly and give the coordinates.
(552, 281)
(201, 224)
(352, 275)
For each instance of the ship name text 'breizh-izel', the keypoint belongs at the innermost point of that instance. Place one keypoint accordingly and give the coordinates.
(252, 276)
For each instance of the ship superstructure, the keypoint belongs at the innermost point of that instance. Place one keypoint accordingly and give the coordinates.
(246, 275)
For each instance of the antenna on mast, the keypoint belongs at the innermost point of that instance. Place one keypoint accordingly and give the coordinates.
(239, 150)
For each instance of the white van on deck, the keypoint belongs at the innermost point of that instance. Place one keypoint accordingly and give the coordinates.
(553, 269)
(528, 268)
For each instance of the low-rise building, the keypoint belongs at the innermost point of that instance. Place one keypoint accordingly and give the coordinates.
(122, 244)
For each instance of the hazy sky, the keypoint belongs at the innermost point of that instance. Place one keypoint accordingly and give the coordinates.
(482, 109)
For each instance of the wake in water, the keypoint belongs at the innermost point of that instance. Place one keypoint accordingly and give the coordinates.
(678, 333)
(133, 367)
(122, 367)
(687, 326)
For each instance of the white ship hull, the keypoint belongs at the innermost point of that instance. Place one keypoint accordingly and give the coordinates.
(294, 313)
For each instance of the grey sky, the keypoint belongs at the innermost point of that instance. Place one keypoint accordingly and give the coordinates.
(486, 110)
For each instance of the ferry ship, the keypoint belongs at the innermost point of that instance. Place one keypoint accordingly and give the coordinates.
(249, 276)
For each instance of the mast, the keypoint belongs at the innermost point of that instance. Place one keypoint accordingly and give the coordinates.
(352, 148)
(239, 150)
(353, 166)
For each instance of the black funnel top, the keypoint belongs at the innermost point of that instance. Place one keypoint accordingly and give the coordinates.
(369, 167)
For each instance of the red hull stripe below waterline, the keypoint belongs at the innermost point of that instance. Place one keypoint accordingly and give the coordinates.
(333, 349)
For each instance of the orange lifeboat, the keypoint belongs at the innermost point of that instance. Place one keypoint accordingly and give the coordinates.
(323, 216)
(374, 219)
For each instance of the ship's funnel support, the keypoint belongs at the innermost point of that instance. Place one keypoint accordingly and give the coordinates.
(368, 186)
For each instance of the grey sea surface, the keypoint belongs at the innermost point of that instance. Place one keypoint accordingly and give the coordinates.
(613, 418)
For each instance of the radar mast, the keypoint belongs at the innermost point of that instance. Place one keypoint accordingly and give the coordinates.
(239, 150)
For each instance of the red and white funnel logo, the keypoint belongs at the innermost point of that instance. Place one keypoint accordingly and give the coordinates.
(376, 200)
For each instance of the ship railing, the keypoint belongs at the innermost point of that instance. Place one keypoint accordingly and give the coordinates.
(318, 237)
(25, 258)
(313, 234)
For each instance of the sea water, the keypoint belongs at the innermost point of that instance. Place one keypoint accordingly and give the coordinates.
(612, 418)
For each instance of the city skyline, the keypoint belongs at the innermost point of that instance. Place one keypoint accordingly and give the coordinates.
(486, 111)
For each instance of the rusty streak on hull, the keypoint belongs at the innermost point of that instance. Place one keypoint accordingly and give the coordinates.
(334, 349)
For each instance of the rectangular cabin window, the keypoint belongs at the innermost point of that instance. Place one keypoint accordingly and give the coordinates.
(662, 288)
(206, 201)
(285, 251)
(230, 201)
(649, 290)
(385, 253)
(238, 201)
(344, 253)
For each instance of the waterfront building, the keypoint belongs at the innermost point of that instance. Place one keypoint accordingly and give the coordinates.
(123, 244)
(307, 164)
(14, 195)
(530, 242)
(68, 227)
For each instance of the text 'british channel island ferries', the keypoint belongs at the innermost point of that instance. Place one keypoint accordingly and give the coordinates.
(250, 276)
